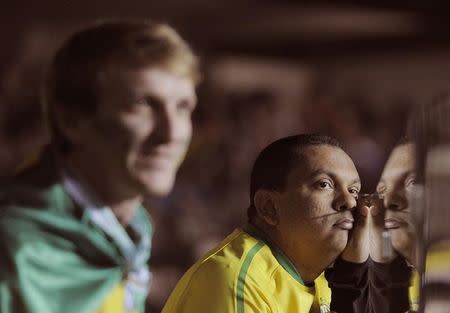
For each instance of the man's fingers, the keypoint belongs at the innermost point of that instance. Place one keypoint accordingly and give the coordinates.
(364, 210)
(360, 214)
(374, 210)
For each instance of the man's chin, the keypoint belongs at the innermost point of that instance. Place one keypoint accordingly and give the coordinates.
(403, 246)
(339, 241)
(157, 185)
(158, 190)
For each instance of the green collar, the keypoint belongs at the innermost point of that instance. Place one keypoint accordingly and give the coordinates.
(276, 251)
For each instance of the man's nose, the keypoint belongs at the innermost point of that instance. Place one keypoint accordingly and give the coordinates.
(166, 125)
(395, 200)
(345, 201)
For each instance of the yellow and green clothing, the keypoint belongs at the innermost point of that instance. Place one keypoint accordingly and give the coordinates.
(244, 274)
(437, 265)
(414, 291)
(438, 258)
(437, 270)
(53, 257)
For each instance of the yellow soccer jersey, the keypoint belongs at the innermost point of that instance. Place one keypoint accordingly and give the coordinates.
(245, 275)
(437, 268)
(114, 302)
(414, 290)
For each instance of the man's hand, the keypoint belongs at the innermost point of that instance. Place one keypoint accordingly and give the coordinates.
(357, 249)
(368, 236)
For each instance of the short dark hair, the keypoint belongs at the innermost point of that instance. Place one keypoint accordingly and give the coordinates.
(91, 54)
(274, 163)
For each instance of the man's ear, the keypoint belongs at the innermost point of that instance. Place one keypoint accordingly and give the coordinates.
(70, 124)
(266, 206)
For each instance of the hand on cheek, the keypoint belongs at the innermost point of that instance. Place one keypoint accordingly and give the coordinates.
(357, 249)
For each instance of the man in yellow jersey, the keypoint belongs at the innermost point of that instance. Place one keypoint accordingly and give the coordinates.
(74, 235)
(302, 191)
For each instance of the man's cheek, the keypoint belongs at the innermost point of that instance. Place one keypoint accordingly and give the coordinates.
(182, 153)
(318, 211)
(400, 239)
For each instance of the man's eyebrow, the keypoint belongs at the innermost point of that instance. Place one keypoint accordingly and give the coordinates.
(404, 175)
(332, 175)
(320, 172)
(410, 172)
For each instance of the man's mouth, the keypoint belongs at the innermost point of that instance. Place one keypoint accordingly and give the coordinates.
(156, 161)
(158, 157)
(344, 223)
(393, 223)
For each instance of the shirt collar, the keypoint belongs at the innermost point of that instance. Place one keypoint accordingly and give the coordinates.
(102, 216)
(78, 191)
(282, 259)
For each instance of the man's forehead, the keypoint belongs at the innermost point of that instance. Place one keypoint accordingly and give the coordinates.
(401, 160)
(315, 156)
(398, 169)
(400, 165)
(327, 160)
(402, 156)
(142, 80)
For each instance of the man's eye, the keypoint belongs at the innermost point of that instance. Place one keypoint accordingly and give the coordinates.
(354, 192)
(381, 190)
(141, 101)
(148, 101)
(410, 182)
(325, 185)
(185, 106)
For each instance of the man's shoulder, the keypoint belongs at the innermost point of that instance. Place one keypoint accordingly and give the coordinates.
(214, 280)
(29, 216)
(34, 206)
(37, 189)
(224, 258)
(237, 254)
(24, 203)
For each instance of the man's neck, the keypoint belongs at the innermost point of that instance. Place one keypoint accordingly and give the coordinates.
(306, 265)
(123, 206)
(125, 210)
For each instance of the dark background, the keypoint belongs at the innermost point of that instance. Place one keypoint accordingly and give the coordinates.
(351, 69)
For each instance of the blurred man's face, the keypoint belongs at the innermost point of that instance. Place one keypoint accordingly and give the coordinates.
(315, 206)
(141, 130)
(397, 180)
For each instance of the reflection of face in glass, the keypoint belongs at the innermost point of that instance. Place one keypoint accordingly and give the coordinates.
(315, 204)
(397, 181)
